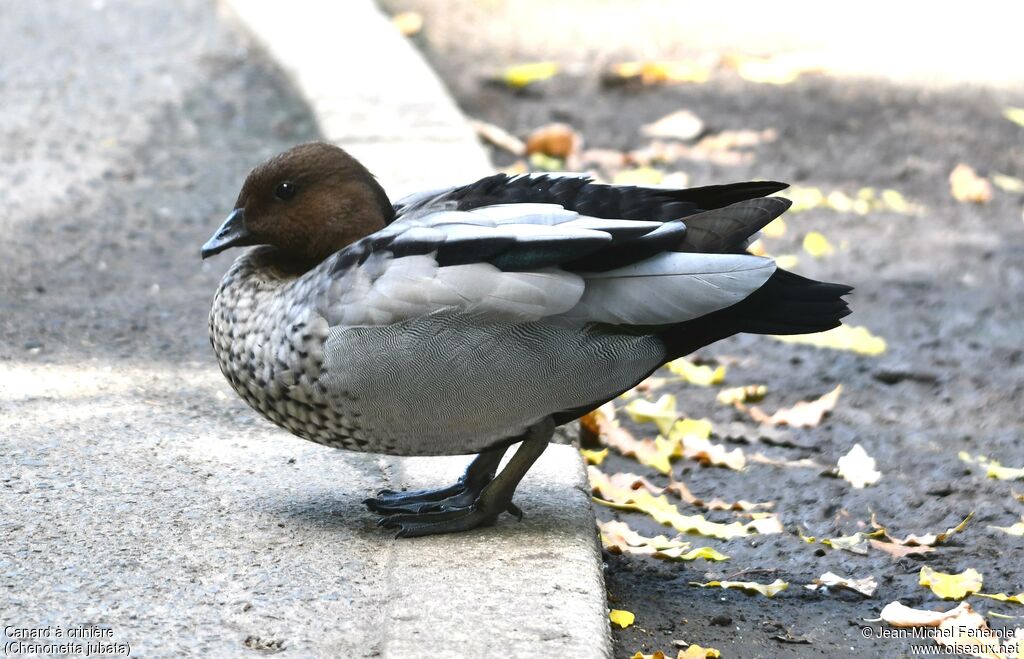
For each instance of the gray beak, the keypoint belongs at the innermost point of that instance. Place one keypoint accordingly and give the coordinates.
(230, 234)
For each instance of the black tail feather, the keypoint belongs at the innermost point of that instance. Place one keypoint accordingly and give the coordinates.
(786, 304)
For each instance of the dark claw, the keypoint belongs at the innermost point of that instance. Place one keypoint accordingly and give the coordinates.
(514, 510)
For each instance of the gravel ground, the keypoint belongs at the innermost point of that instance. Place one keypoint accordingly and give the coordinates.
(945, 288)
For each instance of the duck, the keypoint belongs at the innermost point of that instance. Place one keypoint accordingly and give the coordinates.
(468, 319)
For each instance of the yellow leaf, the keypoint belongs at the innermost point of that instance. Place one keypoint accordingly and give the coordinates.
(951, 586)
(844, 337)
(698, 448)
(775, 229)
(1016, 115)
(659, 508)
(521, 75)
(661, 71)
(995, 470)
(662, 412)
(1003, 597)
(751, 393)
(779, 70)
(1014, 529)
(638, 176)
(768, 590)
(1010, 184)
(858, 468)
(653, 453)
(817, 245)
(695, 651)
(787, 261)
(546, 163)
(805, 414)
(690, 428)
(594, 457)
(707, 553)
(621, 618)
(965, 185)
(929, 539)
(894, 201)
(696, 374)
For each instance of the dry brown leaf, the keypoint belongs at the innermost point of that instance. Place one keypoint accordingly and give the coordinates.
(709, 453)
(679, 125)
(499, 137)
(805, 414)
(899, 551)
(965, 185)
(680, 489)
(556, 140)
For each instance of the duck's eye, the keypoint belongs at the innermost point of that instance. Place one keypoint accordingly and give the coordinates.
(285, 191)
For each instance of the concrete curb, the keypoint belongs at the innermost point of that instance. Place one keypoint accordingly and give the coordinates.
(518, 590)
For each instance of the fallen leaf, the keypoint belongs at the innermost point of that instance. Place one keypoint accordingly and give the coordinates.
(765, 523)
(751, 393)
(521, 75)
(695, 651)
(768, 590)
(899, 551)
(961, 630)
(654, 72)
(705, 451)
(775, 229)
(844, 337)
(856, 543)
(545, 163)
(805, 198)
(679, 125)
(805, 414)
(594, 457)
(900, 615)
(642, 176)
(661, 412)
(787, 261)
(659, 508)
(778, 70)
(701, 374)
(928, 539)
(1016, 529)
(408, 22)
(556, 140)
(1003, 597)
(1010, 184)
(858, 468)
(993, 468)
(965, 185)
(1016, 115)
(655, 453)
(951, 586)
(499, 137)
(802, 463)
(679, 489)
(690, 428)
(817, 245)
(621, 618)
(865, 586)
(618, 538)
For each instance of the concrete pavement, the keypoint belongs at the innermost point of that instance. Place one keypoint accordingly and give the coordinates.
(137, 494)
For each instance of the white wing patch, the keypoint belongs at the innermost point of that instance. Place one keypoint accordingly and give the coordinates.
(386, 290)
(670, 288)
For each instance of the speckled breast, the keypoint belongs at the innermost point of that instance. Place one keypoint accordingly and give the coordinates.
(269, 342)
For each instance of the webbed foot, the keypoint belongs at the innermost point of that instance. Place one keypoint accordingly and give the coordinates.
(466, 509)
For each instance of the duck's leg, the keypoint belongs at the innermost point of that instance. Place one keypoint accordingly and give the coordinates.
(464, 492)
(495, 498)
